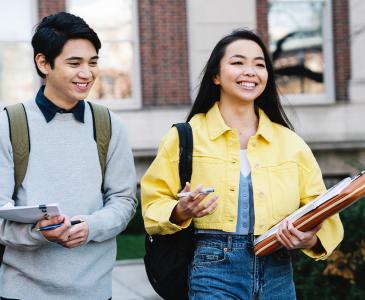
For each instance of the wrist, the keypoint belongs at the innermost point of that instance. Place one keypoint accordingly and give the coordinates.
(177, 215)
(313, 242)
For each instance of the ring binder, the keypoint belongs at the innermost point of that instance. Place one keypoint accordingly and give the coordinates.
(29, 214)
(43, 208)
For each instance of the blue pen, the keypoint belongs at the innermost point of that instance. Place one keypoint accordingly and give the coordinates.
(54, 226)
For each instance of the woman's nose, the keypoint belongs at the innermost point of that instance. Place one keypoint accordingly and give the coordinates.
(249, 71)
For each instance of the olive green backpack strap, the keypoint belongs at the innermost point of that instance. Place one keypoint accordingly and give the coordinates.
(19, 137)
(102, 132)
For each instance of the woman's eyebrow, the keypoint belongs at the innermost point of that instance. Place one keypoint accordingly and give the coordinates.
(244, 57)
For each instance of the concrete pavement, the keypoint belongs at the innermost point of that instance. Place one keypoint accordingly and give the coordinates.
(130, 281)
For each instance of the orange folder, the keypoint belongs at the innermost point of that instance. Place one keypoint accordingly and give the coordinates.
(336, 199)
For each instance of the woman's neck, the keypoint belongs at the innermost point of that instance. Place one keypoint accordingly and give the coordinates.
(239, 116)
(242, 117)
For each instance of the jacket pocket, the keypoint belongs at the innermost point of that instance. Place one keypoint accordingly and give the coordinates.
(284, 188)
(210, 172)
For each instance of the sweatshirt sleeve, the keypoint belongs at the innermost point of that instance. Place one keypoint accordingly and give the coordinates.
(18, 235)
(119, 188)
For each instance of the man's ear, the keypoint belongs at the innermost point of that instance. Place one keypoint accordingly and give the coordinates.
(217, 79)
(42, 63)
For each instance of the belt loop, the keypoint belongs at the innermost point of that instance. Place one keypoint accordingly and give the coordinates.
(229, 242)
(251, 238)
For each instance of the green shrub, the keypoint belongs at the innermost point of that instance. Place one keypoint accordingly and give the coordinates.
(342, 276)
(130, 246)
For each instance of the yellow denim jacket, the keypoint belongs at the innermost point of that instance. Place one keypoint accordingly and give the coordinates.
(284, 172)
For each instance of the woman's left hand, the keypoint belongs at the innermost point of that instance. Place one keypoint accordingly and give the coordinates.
(292, 238)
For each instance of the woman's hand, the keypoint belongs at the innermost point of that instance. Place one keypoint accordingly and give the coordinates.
(292, 238)
(191, 206)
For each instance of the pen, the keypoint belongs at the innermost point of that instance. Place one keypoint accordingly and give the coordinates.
(203, 191)
(54, 226)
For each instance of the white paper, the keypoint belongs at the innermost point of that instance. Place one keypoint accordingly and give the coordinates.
(332, 192)
(28, 214)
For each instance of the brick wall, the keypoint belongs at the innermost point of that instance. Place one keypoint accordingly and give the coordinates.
(48, 7)
(261, 20)
(163, 52)
(341, 46)
(341, 36)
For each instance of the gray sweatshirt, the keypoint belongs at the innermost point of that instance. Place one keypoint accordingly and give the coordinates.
(64, 168)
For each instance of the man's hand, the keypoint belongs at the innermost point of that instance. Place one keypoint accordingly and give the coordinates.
(191, 206)
(292, 238)
(57, 235)
(78, 235)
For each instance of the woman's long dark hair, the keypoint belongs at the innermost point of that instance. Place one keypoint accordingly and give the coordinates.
(209, 93)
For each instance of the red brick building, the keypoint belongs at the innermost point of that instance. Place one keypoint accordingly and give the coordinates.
(153, 52)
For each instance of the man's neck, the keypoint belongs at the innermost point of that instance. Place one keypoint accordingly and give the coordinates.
(51, 95)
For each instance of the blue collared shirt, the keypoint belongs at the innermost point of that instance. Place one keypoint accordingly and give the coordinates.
(49, 109)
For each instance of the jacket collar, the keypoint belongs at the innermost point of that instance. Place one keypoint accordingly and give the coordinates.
(217, 126)
(265, 128)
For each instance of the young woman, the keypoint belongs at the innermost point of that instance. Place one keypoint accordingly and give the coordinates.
(261, 171)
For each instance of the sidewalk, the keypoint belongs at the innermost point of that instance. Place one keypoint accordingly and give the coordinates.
(130, 281)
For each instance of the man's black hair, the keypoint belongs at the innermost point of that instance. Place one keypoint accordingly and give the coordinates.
(54, 31)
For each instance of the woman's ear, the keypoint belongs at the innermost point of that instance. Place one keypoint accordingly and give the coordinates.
(42, 63)
(217, 79)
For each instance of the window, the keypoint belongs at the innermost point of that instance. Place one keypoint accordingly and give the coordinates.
(18, 78)
(115, 22)
(300, 36)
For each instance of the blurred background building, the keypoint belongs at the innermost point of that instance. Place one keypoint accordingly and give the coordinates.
(154, 50)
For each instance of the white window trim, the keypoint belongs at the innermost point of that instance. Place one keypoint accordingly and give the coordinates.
(37, 80)
(329, 78)
(135, 102)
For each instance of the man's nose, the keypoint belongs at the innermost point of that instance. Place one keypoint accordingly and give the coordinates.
(85, 72)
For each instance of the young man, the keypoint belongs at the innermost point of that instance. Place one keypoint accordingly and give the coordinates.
(69, 262)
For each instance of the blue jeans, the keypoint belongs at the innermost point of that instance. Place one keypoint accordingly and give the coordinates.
(224, 267)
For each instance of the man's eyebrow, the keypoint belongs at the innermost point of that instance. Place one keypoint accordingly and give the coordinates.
(244, 57)
(80, 58)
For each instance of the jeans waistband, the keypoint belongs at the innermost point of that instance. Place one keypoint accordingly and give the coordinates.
(228, 239)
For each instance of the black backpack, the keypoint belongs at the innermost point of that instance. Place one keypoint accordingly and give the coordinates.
(168, 256)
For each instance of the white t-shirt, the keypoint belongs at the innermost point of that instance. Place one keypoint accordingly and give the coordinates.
(245, 165)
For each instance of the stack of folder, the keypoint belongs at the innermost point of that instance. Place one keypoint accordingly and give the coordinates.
(336, 199)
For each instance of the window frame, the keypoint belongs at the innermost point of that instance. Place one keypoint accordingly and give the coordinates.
(134, 102)
(33, 11)
(329, 95)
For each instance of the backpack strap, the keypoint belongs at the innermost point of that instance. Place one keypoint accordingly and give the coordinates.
(20, 142)
(186, 152)
(102, 132)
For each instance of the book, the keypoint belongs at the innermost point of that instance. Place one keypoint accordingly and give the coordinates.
(29, 214)
(336, 199)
